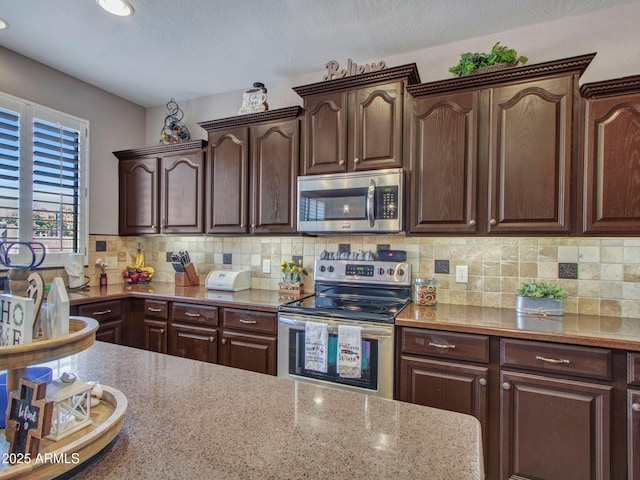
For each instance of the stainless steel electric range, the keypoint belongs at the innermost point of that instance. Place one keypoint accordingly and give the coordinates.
(363, 295)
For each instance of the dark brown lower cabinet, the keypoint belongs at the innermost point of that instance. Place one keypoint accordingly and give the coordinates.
(248, 352)
(554, 429)
(110, 332)
(197, 343)
(633, 434)
(109, 317)
(155, 335)
(450, 386)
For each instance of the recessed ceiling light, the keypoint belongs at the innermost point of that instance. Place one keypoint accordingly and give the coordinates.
(3, 24)
(122, 8)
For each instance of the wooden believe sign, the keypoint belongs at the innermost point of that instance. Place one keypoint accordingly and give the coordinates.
(334, 71)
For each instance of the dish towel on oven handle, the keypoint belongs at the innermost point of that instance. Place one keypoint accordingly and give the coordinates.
(316, 343)
(349, 351)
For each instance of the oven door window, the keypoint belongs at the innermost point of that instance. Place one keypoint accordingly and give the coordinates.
(346, 204)
(369, 352)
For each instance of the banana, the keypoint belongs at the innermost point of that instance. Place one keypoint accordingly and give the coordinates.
(139, 263)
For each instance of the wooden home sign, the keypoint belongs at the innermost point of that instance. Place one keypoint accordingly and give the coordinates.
(334, 70)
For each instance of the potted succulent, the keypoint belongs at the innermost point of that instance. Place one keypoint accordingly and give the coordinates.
(498, 58)
(540, 298)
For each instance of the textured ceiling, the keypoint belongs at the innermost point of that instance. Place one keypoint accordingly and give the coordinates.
(192, 48)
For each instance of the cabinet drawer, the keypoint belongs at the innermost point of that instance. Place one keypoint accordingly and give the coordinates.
(156, 309)
(461, 346)
(186, 312)
(633, 368)
(550, 357)
(250, 321)
(102, 311)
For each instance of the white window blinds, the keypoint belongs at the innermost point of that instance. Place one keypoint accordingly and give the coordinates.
(43, 195)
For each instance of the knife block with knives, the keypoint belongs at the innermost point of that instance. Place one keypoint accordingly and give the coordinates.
(186, 275)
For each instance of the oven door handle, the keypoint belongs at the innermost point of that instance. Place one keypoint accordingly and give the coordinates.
(366, 330)
(371, 195)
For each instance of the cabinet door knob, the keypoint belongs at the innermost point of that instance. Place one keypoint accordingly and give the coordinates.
(341, 162)
(356, 160)
(242, 225)
(162, 330)
(472, 223)
(224, 341)
(492, 221)
(506, 385)
(482, 381)
(253, 225)
(635, 407)
(212, 339)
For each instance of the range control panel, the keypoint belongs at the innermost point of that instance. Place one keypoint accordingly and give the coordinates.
(386, 273)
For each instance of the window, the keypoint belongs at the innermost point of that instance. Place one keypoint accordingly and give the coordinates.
(43, 180)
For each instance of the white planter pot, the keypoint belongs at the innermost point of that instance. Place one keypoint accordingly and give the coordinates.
(539, 306)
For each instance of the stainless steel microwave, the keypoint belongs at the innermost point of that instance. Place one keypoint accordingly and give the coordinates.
(358, 202)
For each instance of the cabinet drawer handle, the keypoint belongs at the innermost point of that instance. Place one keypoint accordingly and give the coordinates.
(635, 407)
(553, 360)
(151, 309)
(224, 341)
(189, 314)
(482, 381)
(506, 385)
(248, 321)
(212, 339)
(102, 312)
(441, 345)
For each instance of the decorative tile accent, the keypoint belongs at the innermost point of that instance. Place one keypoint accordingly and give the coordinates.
(344, 247)
(568, 271)
(168, 257)
(226, 259)
(296, 258)
(101, 245)
(441, 266)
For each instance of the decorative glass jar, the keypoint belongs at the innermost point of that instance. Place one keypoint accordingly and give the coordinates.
(425, 291)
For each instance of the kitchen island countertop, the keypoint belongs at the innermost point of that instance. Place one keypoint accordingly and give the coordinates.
(189, 419)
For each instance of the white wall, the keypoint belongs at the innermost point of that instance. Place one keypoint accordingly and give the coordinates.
(612, 33)
(115, 124)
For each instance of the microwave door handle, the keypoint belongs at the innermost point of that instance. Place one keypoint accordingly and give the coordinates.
(371, 194)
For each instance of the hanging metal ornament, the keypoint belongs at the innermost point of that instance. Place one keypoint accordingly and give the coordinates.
(174, 131)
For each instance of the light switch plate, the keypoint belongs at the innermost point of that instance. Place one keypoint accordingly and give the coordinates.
(266, 266)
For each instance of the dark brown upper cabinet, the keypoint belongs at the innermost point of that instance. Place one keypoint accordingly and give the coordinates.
(355, 123)
(252, 173)
(493, 153)
(161, 189)
(611, 185)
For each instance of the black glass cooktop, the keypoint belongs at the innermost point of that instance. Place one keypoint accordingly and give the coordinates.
(375, 304)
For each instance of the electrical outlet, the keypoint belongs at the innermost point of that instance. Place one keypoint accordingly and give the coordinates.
(266, 266)
(112, 262)
(462, 274)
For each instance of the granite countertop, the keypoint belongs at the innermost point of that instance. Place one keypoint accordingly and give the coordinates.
(265, 300)
(189, 419)
(610, 332)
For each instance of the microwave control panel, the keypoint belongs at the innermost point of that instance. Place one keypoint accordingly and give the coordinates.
(387, 203)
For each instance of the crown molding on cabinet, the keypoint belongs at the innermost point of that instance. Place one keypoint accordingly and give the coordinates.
(242, 120)
(607, 88)
(161, 149)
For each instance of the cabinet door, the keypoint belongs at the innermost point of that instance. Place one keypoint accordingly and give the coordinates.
(444, 164)
(612, 169)
(375, 127)
(530, 151)
(139, 197)
(182, 193)
(197, 343)
(227, 181)
(274, 172)
(249, 352)
(450, 386)
(155, 335)
(325, 134)
(110, 332)
(554, 429)
(633, 434)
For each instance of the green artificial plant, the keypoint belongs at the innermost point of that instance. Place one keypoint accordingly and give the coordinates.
(539, 289)
(470, 62)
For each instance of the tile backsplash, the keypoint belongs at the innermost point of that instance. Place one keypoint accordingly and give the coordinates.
(608, 269)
